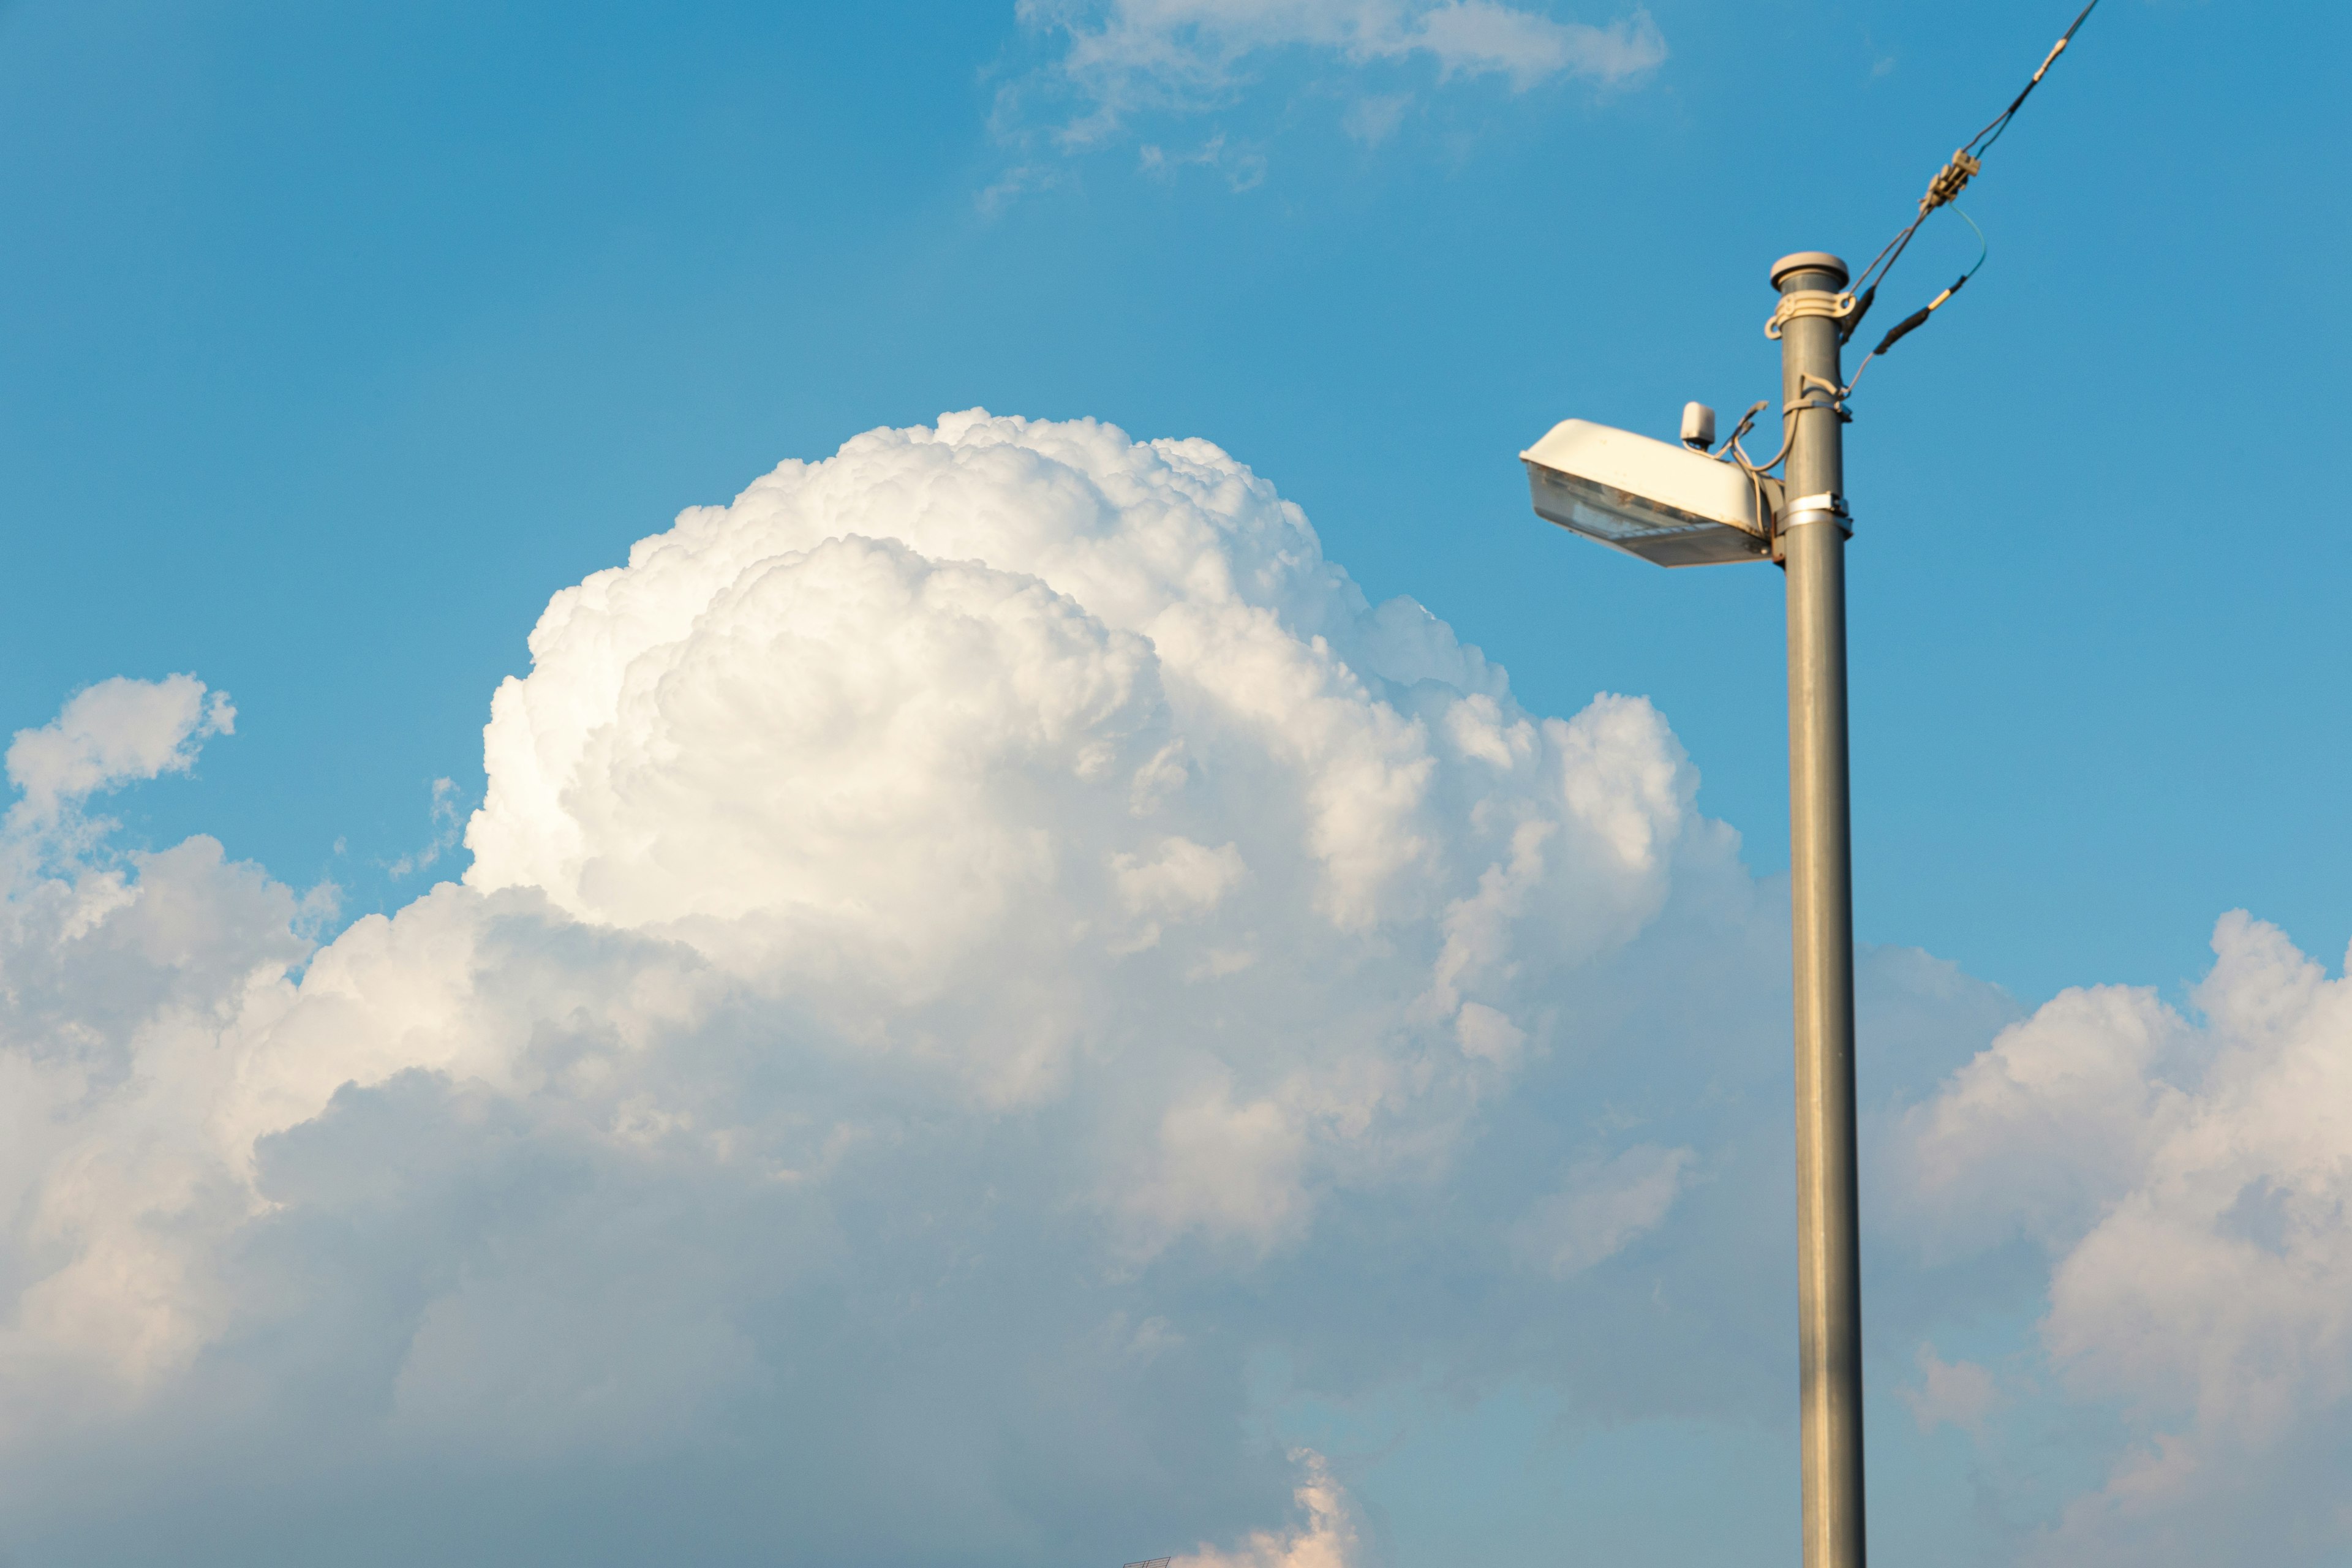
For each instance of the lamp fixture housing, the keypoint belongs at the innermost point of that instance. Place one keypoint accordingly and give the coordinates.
(1664, 503)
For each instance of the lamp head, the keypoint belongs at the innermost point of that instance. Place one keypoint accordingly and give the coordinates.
(1663, 503)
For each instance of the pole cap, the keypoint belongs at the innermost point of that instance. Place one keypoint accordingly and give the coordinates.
(1810, 262)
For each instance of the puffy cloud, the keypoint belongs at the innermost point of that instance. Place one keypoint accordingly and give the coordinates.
(110, 734)
(1005, 710)
(2189, 1176)
(968, 949)
(944, 932)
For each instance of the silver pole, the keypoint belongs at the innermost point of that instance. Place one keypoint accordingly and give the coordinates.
(1820, 882)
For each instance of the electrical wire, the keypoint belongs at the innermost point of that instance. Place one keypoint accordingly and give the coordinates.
(1919, 318)
(1944, 190)
(1734, 453)
(1984, 139)
(1788, 435)
(1746, 419)
(1954, 177)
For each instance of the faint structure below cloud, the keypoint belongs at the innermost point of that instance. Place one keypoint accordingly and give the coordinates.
(1954, 1394)
(1606, 1206)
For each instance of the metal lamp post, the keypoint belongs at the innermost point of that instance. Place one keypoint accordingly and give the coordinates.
(1677, 507)
(1811, 535)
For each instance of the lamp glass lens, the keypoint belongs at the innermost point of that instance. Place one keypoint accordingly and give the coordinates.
(1651, 529)
(1608, 522)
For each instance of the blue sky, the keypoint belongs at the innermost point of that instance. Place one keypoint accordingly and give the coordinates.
(338, 338)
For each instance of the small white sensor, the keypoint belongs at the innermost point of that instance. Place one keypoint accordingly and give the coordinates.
(1698, 427)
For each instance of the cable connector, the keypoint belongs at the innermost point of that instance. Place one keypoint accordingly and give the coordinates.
(1950, 181)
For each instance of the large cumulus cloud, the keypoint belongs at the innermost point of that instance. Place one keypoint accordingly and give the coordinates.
(1013, 753)
(938, 928)
(968, 949)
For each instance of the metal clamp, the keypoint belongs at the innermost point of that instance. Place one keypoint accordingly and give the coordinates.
(1827, 506)
(1799, 302)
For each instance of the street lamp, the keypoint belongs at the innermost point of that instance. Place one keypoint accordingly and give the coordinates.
(1678, 507)
(1666, 504)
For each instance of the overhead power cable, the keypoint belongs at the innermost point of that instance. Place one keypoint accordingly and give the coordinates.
(1966, 164)
(1985, 138)
(1850, 307)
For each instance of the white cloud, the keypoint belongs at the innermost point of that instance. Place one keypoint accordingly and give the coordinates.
(1119, 59)
(113, 733)
(1135, 51)
(1244, 168)
(446, 826)
(1015, 182)
(965, 947)
(2192, 1178)
(989, 888)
